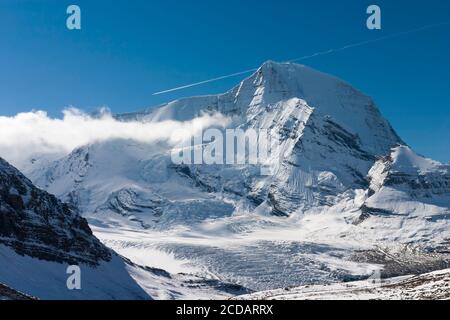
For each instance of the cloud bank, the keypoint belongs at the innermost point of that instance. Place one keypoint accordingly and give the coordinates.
(31, 134)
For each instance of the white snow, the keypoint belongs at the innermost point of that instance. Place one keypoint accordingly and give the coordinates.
(406, 160)
(47, 280)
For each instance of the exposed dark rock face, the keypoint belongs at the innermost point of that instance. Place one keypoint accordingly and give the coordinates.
(35, 223)
(7, 293)
(422, 185)
(404, 260)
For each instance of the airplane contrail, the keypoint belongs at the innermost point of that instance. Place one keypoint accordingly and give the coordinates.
(206, 81)
(317, 54)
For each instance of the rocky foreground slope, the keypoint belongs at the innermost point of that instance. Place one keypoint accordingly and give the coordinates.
(430, 286)
(7, 293)
(37, 224)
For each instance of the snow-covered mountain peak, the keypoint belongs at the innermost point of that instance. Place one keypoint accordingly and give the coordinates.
(405, 177)
(404, 159)
(403, 162)
(286, 80)
(275, 84)
(332, 134)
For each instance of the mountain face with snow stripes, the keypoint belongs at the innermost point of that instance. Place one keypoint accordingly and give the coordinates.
(332, 137)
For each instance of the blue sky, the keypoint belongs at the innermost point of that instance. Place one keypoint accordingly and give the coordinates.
(128, 50)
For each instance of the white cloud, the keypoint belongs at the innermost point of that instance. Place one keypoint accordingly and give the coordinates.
(35, 133)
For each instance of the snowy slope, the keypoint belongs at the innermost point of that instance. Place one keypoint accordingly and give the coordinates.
(342, 181)
(47, 279)
(117, 279)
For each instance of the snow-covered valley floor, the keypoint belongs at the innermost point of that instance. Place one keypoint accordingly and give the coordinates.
(265, 253)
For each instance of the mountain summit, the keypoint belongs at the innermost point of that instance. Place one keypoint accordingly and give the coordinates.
(280, 82)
